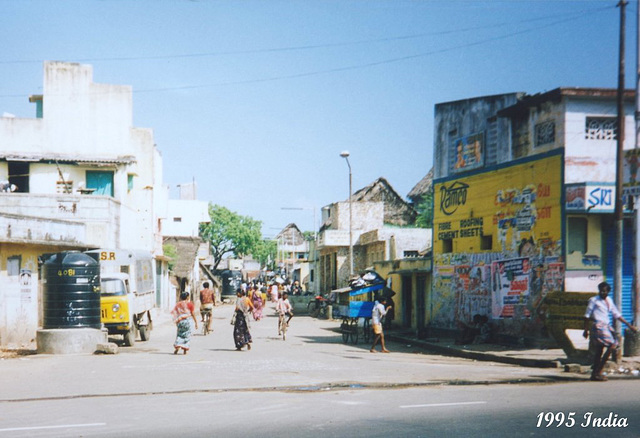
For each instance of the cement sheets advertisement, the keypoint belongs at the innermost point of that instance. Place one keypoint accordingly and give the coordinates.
(497, 237)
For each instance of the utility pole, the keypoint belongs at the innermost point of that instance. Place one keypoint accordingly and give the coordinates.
(619, 215)
(636, 212)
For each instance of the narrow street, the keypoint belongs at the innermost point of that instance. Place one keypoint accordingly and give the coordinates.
(311, 383)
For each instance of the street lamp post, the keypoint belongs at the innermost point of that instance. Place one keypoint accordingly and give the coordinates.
(345, 155)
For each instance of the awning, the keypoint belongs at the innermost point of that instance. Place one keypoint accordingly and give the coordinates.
(411, 271)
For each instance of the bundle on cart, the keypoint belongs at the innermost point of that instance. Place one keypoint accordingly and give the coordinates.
(355, 304)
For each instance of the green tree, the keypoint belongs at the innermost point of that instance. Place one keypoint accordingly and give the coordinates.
(265, 252)
(171, 252)
(230, 233)
(425, 211)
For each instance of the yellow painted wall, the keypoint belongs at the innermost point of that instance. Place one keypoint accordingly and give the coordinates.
(518, 212)
(592, 260)
(499, 204)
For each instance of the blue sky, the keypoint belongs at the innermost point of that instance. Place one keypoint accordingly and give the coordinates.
(255, 100)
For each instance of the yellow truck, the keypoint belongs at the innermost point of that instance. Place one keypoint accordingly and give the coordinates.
(127, 292)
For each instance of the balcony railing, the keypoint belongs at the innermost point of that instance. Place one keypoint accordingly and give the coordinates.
(72, 220)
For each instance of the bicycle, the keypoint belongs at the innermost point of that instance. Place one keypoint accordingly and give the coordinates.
(282, 326)
(206, 319)
(319, 306)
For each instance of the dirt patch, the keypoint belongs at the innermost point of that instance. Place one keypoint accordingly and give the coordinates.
(14, 353)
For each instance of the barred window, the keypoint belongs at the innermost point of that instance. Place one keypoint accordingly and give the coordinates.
(545, 133)
(601, 128)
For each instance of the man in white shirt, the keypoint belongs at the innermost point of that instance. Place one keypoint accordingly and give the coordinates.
(599, 309)
(379, 310)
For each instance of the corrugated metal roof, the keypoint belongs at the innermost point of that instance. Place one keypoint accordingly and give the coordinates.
(127, 159)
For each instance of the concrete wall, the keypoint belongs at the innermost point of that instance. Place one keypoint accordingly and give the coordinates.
(454, 120)
(84, 126)
(184, 217)
(88, 126)
(396, 272)
(365, 216)
(102, 114)
(592, 160)
(19, 297)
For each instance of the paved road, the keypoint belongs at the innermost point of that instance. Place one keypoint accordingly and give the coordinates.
(312, 356)
(309, 385)
(442, 411)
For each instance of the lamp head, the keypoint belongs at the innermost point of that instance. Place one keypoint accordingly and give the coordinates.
(344, 154)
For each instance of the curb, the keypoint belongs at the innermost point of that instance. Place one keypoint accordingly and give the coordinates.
(476, 355)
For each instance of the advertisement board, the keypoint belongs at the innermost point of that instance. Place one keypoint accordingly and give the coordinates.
(498, 236)
(469, 152)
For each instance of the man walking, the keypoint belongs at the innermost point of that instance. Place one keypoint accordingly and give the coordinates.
(599, 309)
(379, 310)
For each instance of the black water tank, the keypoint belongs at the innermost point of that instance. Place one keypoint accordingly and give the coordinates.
(71, 293)
(231, 281)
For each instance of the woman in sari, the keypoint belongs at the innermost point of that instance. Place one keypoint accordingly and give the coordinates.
(241, 334)
(183, 310)
(257, 301)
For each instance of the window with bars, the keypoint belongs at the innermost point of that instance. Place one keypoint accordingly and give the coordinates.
(601, 128)
(545, 133)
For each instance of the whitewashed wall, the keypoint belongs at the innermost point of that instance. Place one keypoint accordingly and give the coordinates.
(592, 160)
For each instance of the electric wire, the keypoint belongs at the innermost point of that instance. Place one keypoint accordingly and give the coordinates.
(575, 15)
(570, 17)
(362, 65)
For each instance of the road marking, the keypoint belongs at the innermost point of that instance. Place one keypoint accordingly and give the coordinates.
(435, 405)
(62, 426)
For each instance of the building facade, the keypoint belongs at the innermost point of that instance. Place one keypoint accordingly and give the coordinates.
(383, 237)
(523, 195)
(84, 178)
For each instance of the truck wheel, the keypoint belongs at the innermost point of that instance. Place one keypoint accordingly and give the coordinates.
(145, 333)
(130, 337)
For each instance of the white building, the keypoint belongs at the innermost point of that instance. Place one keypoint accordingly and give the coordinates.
(85, 177)
(381, 229)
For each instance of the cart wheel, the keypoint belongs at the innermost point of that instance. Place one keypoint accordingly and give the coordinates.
(366, 334)
(344, 328)
(354, 331)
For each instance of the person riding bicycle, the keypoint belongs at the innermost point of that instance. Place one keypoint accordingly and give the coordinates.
(207, 301)
(284, 308)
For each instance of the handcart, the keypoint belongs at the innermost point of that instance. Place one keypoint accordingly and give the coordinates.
(356, 317)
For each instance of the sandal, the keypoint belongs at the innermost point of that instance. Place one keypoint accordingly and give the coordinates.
(598, 378)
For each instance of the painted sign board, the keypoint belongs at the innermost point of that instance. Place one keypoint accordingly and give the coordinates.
(590, 197)
(497, 244)
(468, 152)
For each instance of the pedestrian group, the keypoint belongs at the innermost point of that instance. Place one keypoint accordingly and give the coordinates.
(250, 303)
